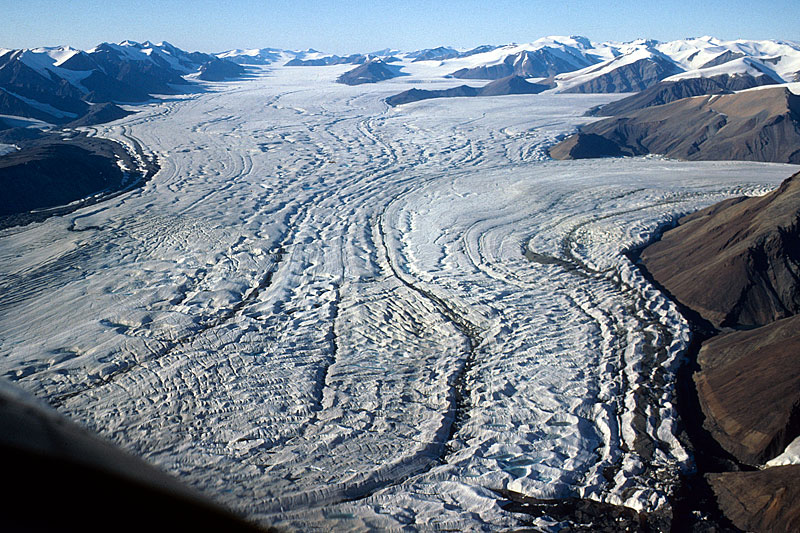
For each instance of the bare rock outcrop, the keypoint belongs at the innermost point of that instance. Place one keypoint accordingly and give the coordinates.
(665, 92)
(736, 263)
(762, 501)
(631, 77)
(585, 146)
(749, 389)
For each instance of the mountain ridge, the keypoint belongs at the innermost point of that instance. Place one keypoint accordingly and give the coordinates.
(59, 85)
(756, 125)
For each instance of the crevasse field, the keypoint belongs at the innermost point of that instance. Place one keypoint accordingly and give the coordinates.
(327, 313)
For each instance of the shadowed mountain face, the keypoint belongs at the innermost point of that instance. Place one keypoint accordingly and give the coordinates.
(540, 63)
(370, 72)
(20, 85)
(504, 86)
(669, 91)
(220, 70)
(737, 263)
(55, 174)
(511, 85)
(57, 85)
(636, 76)
(415, 95)
(99, 114)
(585, 146)
(758, 125)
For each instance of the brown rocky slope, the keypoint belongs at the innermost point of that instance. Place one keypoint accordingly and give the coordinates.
(749, 389)
(755, 125)
(737, 264)
(761, 501)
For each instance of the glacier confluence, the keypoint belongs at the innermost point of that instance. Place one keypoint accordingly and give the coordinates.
(325, 312)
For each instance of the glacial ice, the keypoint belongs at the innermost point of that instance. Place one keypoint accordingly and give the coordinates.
(325, 312)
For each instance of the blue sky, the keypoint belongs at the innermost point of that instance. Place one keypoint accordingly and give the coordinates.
(349, 26)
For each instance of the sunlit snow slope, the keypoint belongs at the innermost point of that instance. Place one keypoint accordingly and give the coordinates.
(325, 312)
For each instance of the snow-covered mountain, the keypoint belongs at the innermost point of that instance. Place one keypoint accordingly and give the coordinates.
(254, 56)
(640, 64)
(542, 58)
(60, 84)
(301, 58)
(435, 54)
(577, 64)
(319, 59)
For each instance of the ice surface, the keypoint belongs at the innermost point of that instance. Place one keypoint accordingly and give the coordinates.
(790, 456)
(8, 148)
(326, 312)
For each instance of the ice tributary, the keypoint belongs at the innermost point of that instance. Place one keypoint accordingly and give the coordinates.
(326, 313)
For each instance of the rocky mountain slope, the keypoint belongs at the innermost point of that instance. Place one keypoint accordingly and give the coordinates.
(631, 72)
(737, 264)
(757, 125)
(665, 92)
(760, 501)
(748, 388)
(53, 174)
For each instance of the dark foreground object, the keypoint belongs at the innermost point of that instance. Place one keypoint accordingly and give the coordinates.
(60, 478)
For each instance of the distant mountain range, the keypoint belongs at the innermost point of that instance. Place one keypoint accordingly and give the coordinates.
(576, 64)
(64, 86)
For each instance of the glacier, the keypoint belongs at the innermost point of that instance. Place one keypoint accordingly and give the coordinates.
(328, 313)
